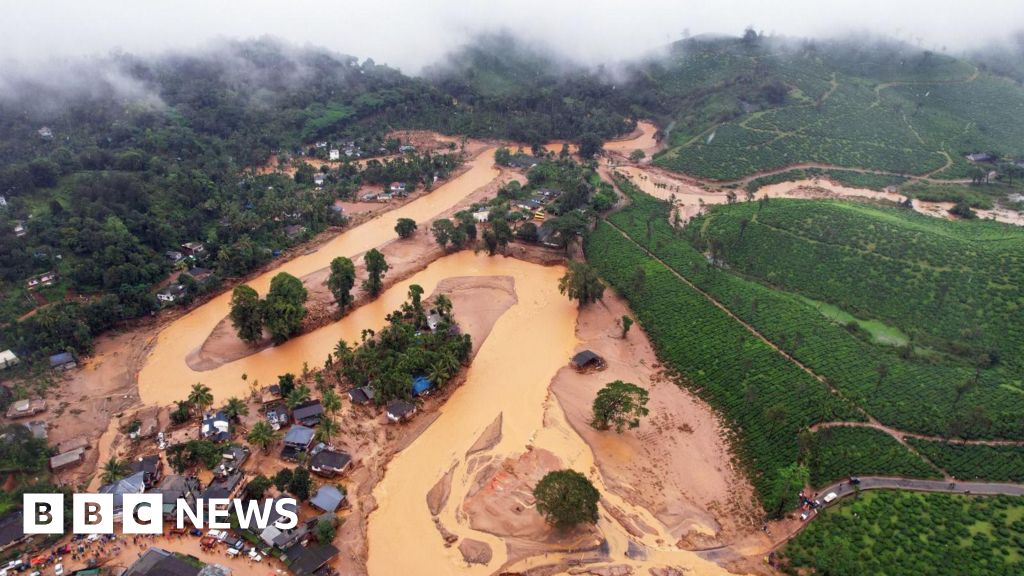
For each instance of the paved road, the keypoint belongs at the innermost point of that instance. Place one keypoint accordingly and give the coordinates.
(879, 482)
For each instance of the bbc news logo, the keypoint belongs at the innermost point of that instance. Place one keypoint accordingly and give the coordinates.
(143, 513)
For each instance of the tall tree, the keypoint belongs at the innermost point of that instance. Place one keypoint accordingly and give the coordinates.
(246, 314)
(235, 408)
(341, 281)
(376, 267)
(113, 470)
(566, 498)
(284, 308)
(200, 397)
(581, 283)
(619, 404)
(262, 435)
(405, 227)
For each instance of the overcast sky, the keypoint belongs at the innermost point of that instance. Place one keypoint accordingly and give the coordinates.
(412, 33)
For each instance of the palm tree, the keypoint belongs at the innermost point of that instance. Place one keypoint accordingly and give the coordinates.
(331, 401)
(201, 397)
(328, 429)
(444, 306)
(297, 396)
(342, 350)
(438, 374)
(236, 408)
(262, 435)
(113, 470)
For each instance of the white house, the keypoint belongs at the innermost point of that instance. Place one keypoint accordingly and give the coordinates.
(481, 216)
(7, 359)
(171, 293)
(334, 154)
(19, 229)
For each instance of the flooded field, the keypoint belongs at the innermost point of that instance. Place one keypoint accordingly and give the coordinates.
(166, 376)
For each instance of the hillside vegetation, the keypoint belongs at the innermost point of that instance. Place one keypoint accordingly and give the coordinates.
(760, 104)
(953, 387)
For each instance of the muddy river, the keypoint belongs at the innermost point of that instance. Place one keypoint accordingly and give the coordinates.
(166, 377)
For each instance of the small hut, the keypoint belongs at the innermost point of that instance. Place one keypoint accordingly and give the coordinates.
(587, 360)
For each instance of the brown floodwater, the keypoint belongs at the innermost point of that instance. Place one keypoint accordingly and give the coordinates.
(166, 376)
(510, 375)
(645, 141)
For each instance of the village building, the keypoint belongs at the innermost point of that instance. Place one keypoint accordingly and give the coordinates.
(134, 484)
(67, 459)
(193, 249)
(45, 133)
(434, 319)
(231, 460)
(12, 530)
(319, 178)
(63, 361)
(334, 154)
(361, 396)
(19, 229)
(421, 386)
(308, 413)
(41, 280)
(296, 441)
(73, 444)
(159, 562)
(328, 462)
(174, 256)
(223, 487)
(397, 188)
(25, 408)
(3, 201)
(481, 216)
(175, 487)
(294, 230)
(308, 560)
(586, 360)
(400, 410)
(200, 274)
(8, 359)
(152, 468)
(981, 157)
(276, 412)
(406, 148)
(171, 293)
(548, 236)
(215, 427)
(327, 498)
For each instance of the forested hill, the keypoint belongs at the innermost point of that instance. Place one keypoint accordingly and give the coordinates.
(107, 164)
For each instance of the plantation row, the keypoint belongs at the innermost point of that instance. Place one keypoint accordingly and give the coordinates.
(912, 393)
(765, 399)
(954, 286)
(717, 161)
(974, 461)
(905, 533)
(835, 453)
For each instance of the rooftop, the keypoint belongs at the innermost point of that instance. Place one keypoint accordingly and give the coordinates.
(160, 562)
(328, 498)
(299, 436)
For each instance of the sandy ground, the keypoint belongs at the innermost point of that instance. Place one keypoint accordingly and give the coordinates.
(677, 462)
(404, 256)
(88, 401)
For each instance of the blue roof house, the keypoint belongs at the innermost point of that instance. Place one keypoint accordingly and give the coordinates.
(420, 385)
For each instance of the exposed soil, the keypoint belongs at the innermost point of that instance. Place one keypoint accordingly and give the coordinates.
(677, 463)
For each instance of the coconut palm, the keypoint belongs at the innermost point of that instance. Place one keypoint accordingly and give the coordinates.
(331, 401)
(262, 435)
(327, 429)
(444, 306)
(113, 470)
(236, 408)
(342, 350)
(297, 396)
(201, 397)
